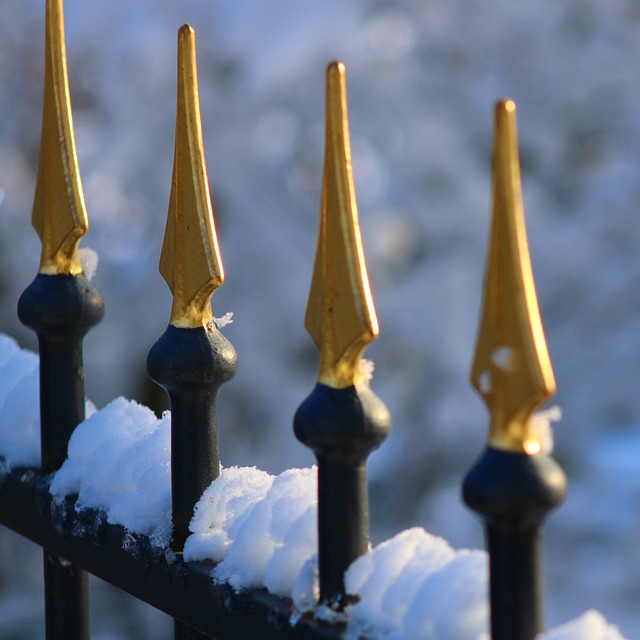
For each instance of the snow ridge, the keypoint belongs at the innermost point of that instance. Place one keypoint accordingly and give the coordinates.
(260, 529)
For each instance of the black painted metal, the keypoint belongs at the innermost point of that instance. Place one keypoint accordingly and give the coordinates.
(342, 426)
(513, 493)
(191, 365)
(61, 309)
(181, 631)
(65, 617)
(182, 590)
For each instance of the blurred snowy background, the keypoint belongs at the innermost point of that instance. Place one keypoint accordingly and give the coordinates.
(422, 80)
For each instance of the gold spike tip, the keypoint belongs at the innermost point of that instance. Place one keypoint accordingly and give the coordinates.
(190, 261)
(59, 214)
(511, 370)
(341, 316)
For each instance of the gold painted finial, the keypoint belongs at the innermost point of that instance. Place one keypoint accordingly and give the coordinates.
(190, 261)
(511, 370)
(341, 317)
(59, 214)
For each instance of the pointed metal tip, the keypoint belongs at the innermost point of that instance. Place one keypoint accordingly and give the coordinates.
(511, 370)
(506, 105)
(59, 214)
(186, 30)
(335, 67)
(190, 261)
(336, 98)
(341, 315)
(186, 54)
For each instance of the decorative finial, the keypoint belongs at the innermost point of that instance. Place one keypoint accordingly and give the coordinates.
(59, 214)
(341, 316)
(511, 370)
(190, 261)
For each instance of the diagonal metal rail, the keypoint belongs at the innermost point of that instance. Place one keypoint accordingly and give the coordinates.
(183, 590)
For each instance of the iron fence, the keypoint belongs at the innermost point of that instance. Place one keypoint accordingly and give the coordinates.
(512, 487)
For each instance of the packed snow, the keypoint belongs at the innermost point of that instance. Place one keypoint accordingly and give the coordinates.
(119, 462)
(261, 530)
(20, 414)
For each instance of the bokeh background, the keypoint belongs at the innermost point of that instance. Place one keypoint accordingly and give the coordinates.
(422, 80)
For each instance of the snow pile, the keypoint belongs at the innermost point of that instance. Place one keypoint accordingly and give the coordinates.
(589, 626)
(19, 413)
(261, 530)
(220, 511)
(416, 583)
(119, 461)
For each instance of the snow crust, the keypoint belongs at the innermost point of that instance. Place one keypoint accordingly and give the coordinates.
(260, 529)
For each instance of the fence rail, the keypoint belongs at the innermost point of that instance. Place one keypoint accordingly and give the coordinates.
(182, 590)
(513, 486)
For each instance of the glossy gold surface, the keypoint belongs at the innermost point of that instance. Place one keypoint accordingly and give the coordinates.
(59, 214)
(511, 370)
(190, 261)
(341, 317)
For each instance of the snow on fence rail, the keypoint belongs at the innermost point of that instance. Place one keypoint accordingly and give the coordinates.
(236, 553)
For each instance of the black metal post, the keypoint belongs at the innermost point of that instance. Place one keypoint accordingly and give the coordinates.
(513, 493)
(342, 426)
(191, 365)
(61, 309)
(66, 599)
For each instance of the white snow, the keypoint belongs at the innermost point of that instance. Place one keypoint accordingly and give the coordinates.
(19, 413)
(540, 426)
(276, 537)
(224, 320)
(367, 367)
(220, 511)
(260, 529)
(119, 462)
(89, 261)
(589, 626)
(388, 578)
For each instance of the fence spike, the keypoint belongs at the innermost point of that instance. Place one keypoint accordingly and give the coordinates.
(342, 420)
(192, 359)
(514, 484)
(511, 369)
(341, 316)
(190, 261)
(60, 305)
(59, 214)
